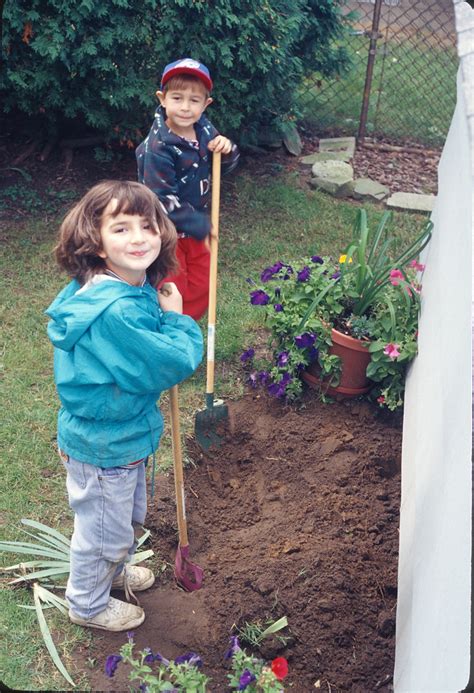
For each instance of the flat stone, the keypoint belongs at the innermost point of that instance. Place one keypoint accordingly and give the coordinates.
(368, 189)
(413, 202)
(338, 144)
(333, 170)
(333, 187)
(292, 140)
(311, 159)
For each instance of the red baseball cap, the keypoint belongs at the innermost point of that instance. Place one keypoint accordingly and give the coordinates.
(187, 66)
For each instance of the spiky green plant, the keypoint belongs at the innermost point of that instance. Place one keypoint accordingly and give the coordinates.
(50, 551)
(255, 633)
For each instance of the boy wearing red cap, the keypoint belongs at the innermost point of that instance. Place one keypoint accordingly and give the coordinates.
(174, 161)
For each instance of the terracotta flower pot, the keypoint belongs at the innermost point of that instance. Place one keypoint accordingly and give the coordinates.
(355, 357)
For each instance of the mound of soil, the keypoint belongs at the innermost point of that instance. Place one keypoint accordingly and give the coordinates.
(295, 514)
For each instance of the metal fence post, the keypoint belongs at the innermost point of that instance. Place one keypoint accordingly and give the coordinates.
(374, 36)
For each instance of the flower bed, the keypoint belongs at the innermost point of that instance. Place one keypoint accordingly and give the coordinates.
(295, 515)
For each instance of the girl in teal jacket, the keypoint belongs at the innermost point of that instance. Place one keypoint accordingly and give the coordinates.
(117, 345)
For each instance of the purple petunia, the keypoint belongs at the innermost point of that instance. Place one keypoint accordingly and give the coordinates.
(275, 390)
(317, 259)
(259, 298)
(149, 658)
(268, 272)
(303, 275)
(161, 659)
(264, 377)
(278, 307)
(111, 664)
(245, 679)
(282, 358)
(191, 657)
(336, 275)
(279, 389)
(247, 355)
(234, 647)
(305, 340)
(253, 379)
(313, 353)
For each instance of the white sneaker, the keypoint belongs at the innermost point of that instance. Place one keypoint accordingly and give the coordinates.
(117, 616)
(134, 578)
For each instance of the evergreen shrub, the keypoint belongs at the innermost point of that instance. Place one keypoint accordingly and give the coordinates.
(96, 65)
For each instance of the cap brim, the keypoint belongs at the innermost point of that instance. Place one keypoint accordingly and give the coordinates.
(187, 71)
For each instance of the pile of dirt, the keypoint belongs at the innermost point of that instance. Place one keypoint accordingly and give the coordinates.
(295, 515)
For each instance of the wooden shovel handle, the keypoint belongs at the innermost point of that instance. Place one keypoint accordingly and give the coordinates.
(214, 241)
(178, 467)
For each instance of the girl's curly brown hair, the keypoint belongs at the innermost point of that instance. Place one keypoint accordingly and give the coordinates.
(79, 235)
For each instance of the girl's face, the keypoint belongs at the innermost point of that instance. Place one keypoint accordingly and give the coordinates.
(129, 244)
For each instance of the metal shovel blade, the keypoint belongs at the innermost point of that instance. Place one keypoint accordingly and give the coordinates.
(188, 575)
(208, 425)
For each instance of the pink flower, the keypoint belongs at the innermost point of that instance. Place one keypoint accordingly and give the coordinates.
(417, 266)
(381, 399)
(392, 350)
(395, 277)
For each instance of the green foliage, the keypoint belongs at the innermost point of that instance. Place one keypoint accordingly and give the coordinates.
(155, 673)
(85, 60)
(367, 294)
(21, 198)
(255, 633)
(100, 63)
(51, 563)
(251, 674)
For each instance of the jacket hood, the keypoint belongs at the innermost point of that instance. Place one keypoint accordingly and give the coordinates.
(73, 311)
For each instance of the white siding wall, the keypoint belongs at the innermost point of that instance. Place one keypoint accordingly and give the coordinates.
(434, 601)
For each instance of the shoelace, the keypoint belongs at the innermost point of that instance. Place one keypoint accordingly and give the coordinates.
(129, 594)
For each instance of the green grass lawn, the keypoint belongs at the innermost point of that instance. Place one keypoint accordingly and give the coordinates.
(264, 219)
(413, 92)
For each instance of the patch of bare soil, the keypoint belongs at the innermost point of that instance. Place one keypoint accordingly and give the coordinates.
(402, 171)
(295, 514)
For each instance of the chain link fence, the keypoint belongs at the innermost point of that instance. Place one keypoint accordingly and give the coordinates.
(401, 83)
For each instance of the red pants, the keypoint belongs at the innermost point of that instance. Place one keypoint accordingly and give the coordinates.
(192, 279)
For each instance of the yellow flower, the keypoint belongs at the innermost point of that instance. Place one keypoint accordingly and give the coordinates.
(343, 258)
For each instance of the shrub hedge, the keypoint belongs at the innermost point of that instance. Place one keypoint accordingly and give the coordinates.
(89, 65)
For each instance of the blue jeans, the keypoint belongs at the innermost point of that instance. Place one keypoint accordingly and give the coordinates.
(108, 505)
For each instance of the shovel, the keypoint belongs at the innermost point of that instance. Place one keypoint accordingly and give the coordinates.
(188, 575)
(207, 421)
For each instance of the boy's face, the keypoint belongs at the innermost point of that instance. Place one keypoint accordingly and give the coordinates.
(184, 106)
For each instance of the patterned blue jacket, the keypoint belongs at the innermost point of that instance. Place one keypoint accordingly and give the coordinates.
(178, 172)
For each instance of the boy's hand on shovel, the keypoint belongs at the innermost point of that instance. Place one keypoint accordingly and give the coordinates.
(169, 298)
(207, 240)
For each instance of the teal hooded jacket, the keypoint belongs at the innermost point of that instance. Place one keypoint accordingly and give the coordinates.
(115, 351)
